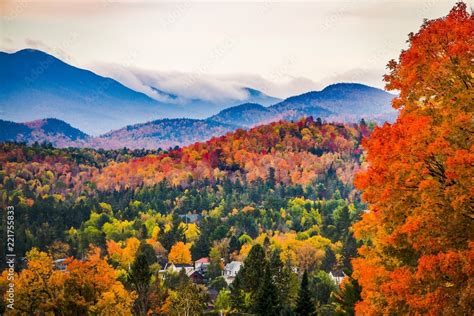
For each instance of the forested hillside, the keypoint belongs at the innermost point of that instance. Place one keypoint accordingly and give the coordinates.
(296, 152)
(164, 133)
(49, 130)
(285, 186)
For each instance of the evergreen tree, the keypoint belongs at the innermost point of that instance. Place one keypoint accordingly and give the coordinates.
(321, 288)
(304, 305)
(342, 220)
(285, 280)
(140, 276)
(238, 294)
(249, 279)
(271, 181)
(174, 235)
(329, 260)
(266, 300)
(266, 245)
(234, 244)
(253, 269)
(349, 251)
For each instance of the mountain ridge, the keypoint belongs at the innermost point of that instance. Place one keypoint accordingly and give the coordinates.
(111, 110)
(36, 82)
(49, 130)
(165, 133)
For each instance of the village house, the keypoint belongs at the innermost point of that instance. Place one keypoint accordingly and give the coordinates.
(202, 265)
(337, 276)
(191, 218)
(195, 275)
(230, 271)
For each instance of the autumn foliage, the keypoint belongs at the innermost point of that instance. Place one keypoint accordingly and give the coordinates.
(297, 151)
(180, 254)
(88, 287)
(418, 257)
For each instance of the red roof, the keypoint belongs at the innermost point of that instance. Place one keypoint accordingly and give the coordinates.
(203, 260)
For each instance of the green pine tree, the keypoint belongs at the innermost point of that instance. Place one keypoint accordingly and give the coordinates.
(285, 280)
(139, 277)
(304, 305)
(329, 260)
(266, 300)
(253, 269)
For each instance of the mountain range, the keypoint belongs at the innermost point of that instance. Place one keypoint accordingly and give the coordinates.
(35, 85)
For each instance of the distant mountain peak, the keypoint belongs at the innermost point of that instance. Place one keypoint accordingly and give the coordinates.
(245, 106)
(163, 133)
(253, 92)
(31, 51)
(36, 83)
(346, 101)
(347, 85)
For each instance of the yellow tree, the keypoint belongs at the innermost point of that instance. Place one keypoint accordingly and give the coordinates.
(38, 288)
(126, 255)
(180, 254)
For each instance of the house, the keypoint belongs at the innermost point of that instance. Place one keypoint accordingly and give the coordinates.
(230, 271)
(60, 264)
(196, 276)
(337, 276)
(202, 265)
(176, 268)
(191, 218)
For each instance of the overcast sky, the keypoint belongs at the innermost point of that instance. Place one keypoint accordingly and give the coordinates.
(293, 45)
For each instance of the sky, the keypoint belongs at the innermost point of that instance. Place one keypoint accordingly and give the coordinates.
(280, 47)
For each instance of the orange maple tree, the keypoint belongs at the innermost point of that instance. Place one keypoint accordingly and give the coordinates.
(418, 255)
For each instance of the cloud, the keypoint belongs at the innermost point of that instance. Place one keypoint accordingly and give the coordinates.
(166, 85)
(180, 87)
(184, 85)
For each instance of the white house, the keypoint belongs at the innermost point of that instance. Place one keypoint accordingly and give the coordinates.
(230, 271)
(337, 276)
(171, 267)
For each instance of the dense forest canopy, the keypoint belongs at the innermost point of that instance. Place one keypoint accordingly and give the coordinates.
(286, 186)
